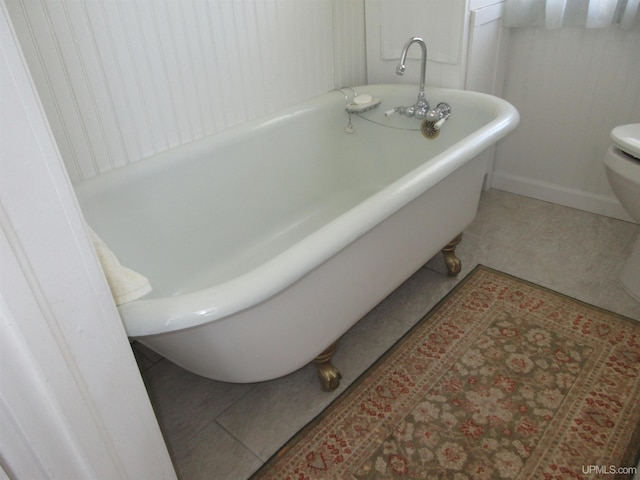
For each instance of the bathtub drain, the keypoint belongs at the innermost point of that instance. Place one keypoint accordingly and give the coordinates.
(428, 129)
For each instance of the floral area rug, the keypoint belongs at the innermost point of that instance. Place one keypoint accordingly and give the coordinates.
(502, 379)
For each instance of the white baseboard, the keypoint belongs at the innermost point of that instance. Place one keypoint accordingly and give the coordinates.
(548, 192)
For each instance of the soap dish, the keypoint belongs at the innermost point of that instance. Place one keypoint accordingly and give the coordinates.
(362, 103)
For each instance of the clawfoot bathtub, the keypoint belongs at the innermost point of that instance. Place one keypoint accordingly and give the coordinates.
(264, 244)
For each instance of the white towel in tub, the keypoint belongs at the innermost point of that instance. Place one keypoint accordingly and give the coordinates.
(125, 284)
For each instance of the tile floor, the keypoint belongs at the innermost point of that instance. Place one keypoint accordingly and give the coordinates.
(224, 431)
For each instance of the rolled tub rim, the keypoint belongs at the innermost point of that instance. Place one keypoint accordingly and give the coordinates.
(152, 316)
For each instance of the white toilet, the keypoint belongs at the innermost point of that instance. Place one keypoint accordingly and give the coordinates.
(623, 170)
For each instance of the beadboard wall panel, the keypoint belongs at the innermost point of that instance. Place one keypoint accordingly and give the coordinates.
(121, 80)
(571, 87)
(349, 43)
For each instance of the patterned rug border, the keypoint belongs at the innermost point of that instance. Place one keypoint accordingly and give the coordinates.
(631, 457)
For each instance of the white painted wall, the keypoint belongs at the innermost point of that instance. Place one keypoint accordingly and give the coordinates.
(72, 402)
(571, 86)
(122, 80)
(443, 27)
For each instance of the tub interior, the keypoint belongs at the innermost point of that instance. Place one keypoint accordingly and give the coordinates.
(210, 211)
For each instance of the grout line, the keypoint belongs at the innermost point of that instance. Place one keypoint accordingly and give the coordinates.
(240, 442)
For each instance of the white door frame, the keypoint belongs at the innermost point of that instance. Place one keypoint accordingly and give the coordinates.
(72, 402)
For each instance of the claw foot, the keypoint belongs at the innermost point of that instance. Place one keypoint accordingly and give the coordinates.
(453, 263)
(329, 375)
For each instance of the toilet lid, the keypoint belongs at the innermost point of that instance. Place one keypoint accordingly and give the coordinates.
(627, 138)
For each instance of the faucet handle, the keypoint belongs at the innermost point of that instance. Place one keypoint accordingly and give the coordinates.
(440, 112)
(433, 115)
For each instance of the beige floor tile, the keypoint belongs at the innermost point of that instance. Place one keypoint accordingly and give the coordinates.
(363, 344)
(415, 297)
(184, 402)
(272, 412)
(508, 219)
(213, 454)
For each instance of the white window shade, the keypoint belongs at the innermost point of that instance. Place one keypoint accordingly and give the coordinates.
(558, 13)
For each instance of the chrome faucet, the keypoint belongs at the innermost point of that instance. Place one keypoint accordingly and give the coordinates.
(420, 109)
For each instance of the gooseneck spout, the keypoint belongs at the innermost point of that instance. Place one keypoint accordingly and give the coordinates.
(401, 67)
(421, 109)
